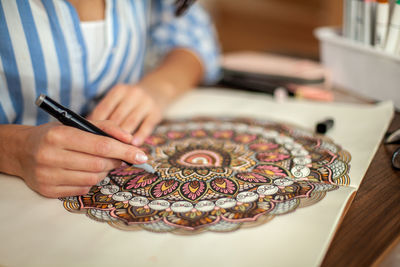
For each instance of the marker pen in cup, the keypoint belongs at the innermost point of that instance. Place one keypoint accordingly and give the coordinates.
(393, 38)
(347, 18)
(382, 20)
(353, 19)
(369, 17)
(360, 21)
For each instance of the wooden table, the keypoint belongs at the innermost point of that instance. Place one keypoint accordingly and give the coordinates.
(371, 227)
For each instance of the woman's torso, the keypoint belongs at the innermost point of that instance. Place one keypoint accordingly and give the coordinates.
(48, 53)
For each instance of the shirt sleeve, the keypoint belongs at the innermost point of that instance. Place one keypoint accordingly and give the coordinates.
(193, 31)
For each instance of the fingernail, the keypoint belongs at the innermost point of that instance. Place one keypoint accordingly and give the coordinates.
(141, 157)
(136, 141)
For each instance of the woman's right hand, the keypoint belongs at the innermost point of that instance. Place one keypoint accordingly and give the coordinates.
(57, 160)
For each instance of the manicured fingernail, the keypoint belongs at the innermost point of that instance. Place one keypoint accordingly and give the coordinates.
(136, 141)
(141, 157)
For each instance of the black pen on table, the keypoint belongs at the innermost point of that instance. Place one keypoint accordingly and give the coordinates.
(70, 118)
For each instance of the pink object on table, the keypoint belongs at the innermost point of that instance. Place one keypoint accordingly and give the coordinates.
(302, 77)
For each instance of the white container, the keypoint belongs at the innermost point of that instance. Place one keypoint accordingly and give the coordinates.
(358, 67)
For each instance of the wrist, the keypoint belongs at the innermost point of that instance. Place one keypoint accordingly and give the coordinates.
(160, 88)
(12, 144)
(179, 72)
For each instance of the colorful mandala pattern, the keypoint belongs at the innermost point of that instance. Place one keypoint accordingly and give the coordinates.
(217, 175)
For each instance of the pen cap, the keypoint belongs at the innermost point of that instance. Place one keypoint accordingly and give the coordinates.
(323, 126)
(53, 108)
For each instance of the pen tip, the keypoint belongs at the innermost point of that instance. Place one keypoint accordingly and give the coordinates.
(145, 167)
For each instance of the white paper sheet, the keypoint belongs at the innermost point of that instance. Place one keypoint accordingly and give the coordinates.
(39, 232)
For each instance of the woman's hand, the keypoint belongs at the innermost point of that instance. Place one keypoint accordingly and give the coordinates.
(57, 160)
(138, 108)
(132, 108)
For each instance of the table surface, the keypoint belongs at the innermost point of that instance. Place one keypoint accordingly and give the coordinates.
(371, 227)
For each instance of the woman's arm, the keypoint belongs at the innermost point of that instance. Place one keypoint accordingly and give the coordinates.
(180, 71)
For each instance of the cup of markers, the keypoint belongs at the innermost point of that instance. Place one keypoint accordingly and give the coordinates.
(373, 22)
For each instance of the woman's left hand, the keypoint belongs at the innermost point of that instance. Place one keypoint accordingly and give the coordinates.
(132, 109)
(138, 108)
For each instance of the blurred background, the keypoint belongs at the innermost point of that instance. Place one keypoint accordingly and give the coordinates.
(278, 26)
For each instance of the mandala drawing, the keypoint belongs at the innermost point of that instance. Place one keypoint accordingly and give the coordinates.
(217, 175)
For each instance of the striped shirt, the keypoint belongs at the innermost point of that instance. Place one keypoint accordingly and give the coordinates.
(42, 50)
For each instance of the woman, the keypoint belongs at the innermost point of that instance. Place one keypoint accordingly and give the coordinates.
(89, 55)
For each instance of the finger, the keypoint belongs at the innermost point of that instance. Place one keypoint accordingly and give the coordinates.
(78, 178)
(135, 117)
(107, 105)
(64, 191)
(63, 177)
(99, 146)
(115, 131)
(72, 160)
(126, 105)
(146, 129)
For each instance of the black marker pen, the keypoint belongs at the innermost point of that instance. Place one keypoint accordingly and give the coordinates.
(70, 118)
(323, 126)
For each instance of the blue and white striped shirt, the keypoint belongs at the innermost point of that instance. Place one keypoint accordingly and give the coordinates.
(42, 50)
